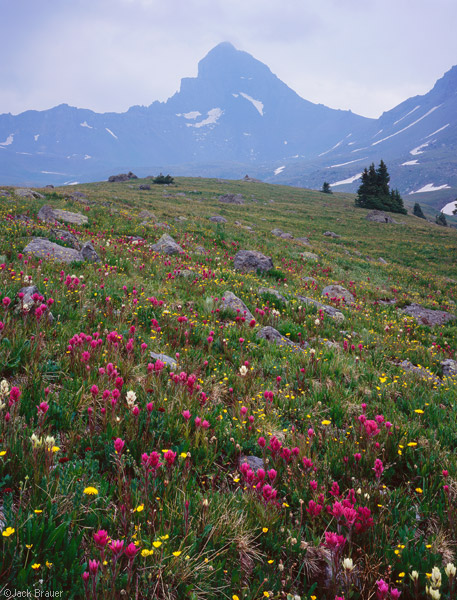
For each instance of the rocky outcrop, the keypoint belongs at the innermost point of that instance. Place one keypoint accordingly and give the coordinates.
(28, 193)
(167, 245)
(250, 260)
(426, 316)
(122, 177)
(51, 215)
(235, 304)
(66, 237)
(378, 216)
(231, 199)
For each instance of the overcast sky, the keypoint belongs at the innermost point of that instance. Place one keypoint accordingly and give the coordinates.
(107, 55)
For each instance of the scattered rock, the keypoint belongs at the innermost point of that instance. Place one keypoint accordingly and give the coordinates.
(309, 280)
(28, 193)
(331, 234)
(449, 367)
(51, 215)
(338, 291)
(251, 179)
(303, 240)
(5, 193)
(309, 256)
(272, 335)
(287, 236)
(67, 237)
(218, 219)
(277, 232)
(419, 371)
(144, 186)
(251, 260)
(231, 199)
(232, 302)
(200, 250)
(26, 303)
(378, 216)
(167, 245)
(272, 292)
(165, 359)
(88, 253)
(254, 462)
(329, 310)
(426, 316)
(43, 248)
(122, 177)
(147, 215)
(188, 274)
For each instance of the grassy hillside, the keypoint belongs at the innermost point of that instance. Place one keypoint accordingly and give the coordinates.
(246, 470)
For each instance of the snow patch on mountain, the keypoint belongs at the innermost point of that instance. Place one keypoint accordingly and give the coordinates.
(256, 103)
(410, 162)
(407, 114)
(430, 187)
(86, 124)
(418, 149)
(193, 114)
(335, 146)
(8, 141)
(280, 170)
(449, 208)
(213, 115)
(408, 126)
(437, 131)
(349, 180)
(347, 163)
(111, 133)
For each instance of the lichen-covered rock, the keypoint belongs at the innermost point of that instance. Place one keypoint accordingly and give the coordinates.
(51, 215)
(28, 193)
(167, 245)
(67, 237)
(250, 260)
(44, 249)
(254, 462)
(449, 367)
(235, 304)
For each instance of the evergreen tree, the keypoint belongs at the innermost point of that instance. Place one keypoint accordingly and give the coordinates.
(441, 220)
(326, 189)
(417, 211)
(374, 191)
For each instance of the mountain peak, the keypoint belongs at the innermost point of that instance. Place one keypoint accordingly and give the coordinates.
(225, 59)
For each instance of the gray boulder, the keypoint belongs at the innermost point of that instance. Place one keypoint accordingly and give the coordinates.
(51, 215)
(250, 260)
(272, 292)
(67, 237)
(235, 304)
(188, 274)
(329, 310)
(331, 234)
(144, 186)
(309, 256)
(200, 250)
(89, 254)
(167, 245)
(43, 248)
(165, 359)
(28, 193)
(429, 317)
(27, 303)
(338, 291)
(218, 219)
(287, 236)
(272, 335)
(449, 367)
(303, 240)
(378, 216)
(147, 215)
(231, 199)
(254, 462)
(277, 232)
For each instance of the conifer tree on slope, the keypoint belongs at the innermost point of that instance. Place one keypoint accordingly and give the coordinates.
(374, 191)
(417, 211)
